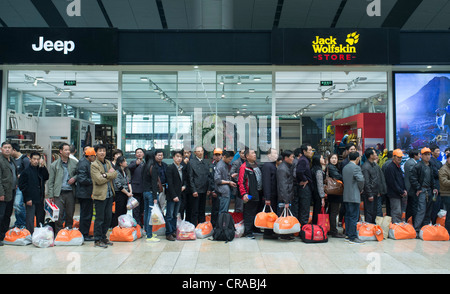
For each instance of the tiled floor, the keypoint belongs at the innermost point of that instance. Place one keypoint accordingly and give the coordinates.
(241, 256)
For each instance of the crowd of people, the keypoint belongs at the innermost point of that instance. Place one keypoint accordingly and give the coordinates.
(291, 180)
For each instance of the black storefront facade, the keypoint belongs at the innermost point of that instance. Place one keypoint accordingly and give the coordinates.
(229, 56)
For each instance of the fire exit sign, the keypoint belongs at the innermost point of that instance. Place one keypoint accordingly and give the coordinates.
(326, 83)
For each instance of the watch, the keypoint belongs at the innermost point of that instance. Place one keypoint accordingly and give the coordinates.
(104, 175)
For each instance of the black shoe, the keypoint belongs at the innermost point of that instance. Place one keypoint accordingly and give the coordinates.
(107, 242)
(89, 239)
(170, 238)
(100, 244)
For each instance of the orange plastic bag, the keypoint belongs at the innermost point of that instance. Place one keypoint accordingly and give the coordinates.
(69, 237)
(265, 220)
(286, 224)
(369, 232)
(434, 233)
(16, 236)
(204, 230)
(401, 231)
(119, 234)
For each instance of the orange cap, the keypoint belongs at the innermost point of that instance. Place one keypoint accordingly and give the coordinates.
(217, 151)
(425, 150)
(398, 153)
(90, 151)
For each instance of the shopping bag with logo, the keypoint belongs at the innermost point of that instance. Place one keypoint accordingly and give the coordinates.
(156, 217)
(401, 231)
(185, 231)
(323, 220)
(369, 232)
(434, 233)
(69, 237)
(16, 236)
(204, 230)
(286, 223)
(43, 237)
(265, 220)
(132, 203)
(119, 234)
(313, 234)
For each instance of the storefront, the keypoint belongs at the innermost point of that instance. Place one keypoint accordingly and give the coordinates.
(179, 89)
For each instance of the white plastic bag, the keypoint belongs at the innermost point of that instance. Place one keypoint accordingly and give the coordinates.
(239, 229)
(442, 213)
(156, 217)
(185, 231)
(126, 221)
(132, 203)
(43, 237)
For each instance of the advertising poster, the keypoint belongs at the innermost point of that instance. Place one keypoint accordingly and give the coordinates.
(422, 108)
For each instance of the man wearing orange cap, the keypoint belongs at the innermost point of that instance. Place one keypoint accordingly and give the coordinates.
(395, 184)
(84, 191)
(423, 184)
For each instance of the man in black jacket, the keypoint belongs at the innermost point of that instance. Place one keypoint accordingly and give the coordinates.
(305, 184)
(395, 184)
(423, 184)
(32, 184)
(199, 182)
(136, 168)
(285, 185)
(84, 192)
(176, 183)
(373, 185)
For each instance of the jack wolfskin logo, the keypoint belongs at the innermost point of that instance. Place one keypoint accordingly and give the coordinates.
(352, 38)
(330, 48)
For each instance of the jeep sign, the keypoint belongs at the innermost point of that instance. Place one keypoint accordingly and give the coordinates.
(66, 46)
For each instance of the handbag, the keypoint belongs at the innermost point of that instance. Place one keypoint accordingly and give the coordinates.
(333, 186)
(369, 232)
(401, 231)
(265, 220)
(286, 224)
(323, 220)
(434, 233)
(313, 234)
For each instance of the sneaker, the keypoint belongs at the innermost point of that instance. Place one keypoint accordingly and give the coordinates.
(153, 239)
(356, 241)
(170, 237)
(100, 244)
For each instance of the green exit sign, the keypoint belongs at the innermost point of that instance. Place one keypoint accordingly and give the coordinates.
(326, 83)
(70, 83)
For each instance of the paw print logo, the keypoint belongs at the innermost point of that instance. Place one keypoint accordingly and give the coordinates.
(352, 38)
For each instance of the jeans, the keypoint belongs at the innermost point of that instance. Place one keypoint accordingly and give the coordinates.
(172, 209)
(19, 209)
(351, 218)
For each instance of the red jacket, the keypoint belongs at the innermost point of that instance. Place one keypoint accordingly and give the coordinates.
(247, 182)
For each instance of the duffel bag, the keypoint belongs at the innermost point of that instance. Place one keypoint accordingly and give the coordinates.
(204, 230)
(16, 236)
(369, 232)
(69, 237)
(313, 234)
(119, 234)
(434, 233)
(286, 224)
(401, 231)
(265, 220)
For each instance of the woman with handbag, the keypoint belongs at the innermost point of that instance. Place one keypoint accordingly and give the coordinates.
(334, 200)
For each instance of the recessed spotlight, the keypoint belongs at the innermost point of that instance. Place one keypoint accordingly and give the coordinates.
(257, 79)
(87, 98)
(144, 79)
(429, 66)
(251, 90)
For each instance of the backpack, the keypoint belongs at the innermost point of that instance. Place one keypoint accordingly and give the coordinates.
(224, 230)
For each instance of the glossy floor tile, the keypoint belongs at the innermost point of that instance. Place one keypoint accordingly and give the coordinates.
(241, 256)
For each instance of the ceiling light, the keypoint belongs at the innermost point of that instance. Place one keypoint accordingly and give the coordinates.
(257, 79)
(144, 79)
(239, 82)
(87, 98)
(251, 90)
(221, 81)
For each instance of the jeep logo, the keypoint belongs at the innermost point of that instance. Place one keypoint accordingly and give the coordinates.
(65, 46)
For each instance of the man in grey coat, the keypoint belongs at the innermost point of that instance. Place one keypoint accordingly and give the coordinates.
(223, 182)
(8, 179)
(353, 187)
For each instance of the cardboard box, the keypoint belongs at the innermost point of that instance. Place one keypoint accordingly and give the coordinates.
(51, 208)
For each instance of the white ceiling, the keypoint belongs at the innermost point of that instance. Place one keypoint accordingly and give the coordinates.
(227, 14)
(294, 90)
